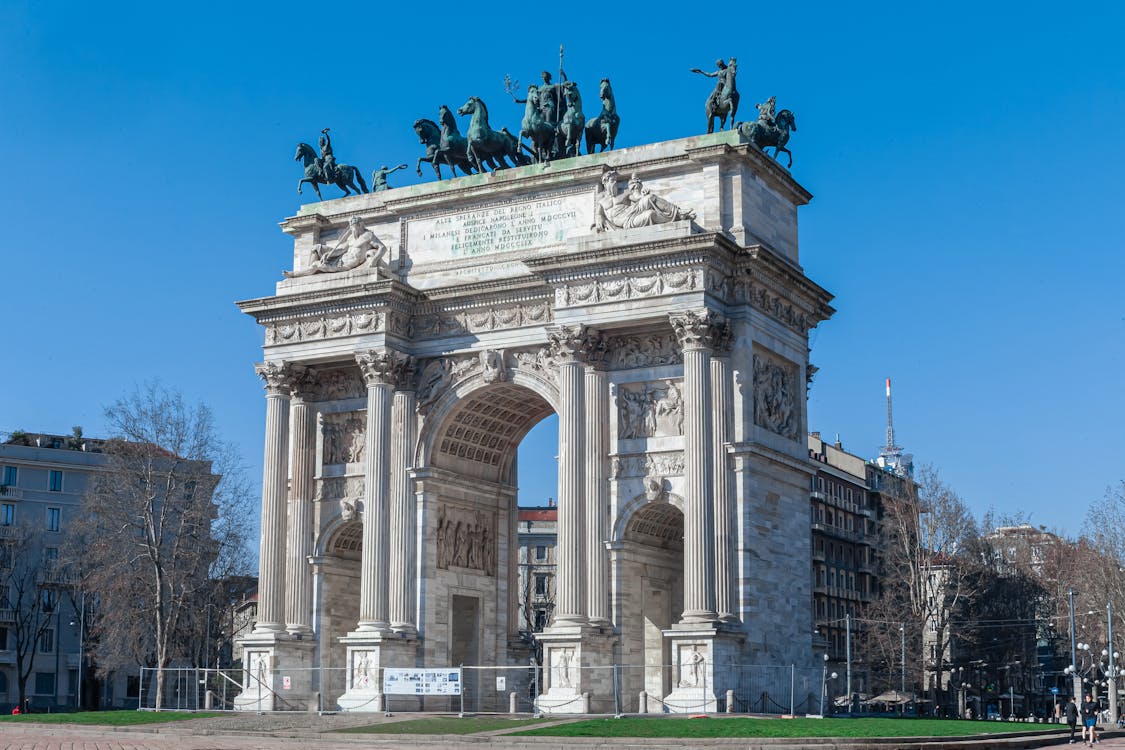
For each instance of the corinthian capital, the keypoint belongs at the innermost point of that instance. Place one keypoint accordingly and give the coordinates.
(700, 329)
(384, 367)
(280, 378)
(568, 343)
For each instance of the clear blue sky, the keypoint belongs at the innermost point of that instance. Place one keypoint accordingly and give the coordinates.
(966, 161)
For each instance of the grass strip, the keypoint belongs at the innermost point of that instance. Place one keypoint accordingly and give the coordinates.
(107, 718)
(762, 727)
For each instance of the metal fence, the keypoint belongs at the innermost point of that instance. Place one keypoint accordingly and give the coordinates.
(516, 689)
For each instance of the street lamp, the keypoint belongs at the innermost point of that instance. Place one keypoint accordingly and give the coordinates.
(81, 650)
(824, 684)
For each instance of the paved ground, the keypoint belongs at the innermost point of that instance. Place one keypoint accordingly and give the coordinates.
(306, 732)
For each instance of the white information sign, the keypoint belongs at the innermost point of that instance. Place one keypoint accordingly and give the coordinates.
(286, 683)
(530, 225)
(501, 682)
(422, 681)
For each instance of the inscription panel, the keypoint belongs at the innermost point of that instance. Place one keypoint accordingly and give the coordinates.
(442, 243)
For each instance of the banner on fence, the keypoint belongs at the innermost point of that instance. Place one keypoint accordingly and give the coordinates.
(422, 681)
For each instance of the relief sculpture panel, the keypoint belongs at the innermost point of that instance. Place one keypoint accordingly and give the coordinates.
(345, 437)
(466, 539)
(775, 395)
(650, 410)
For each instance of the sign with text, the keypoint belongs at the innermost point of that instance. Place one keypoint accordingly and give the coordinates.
(422, 681)
(502, 228)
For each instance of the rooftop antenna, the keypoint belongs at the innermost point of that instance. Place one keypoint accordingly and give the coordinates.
(891, 447)
(891, 457)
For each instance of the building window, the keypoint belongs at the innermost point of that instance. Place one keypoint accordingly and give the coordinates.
(540, 620)
(54, 481)
(541, 552)
(50, 597)
(540, 584)
(132, 686)
(47, 642)
(7, 514)
(44, 683)
(50, 556)
(3, 644)
(10, 475)
(52, 519)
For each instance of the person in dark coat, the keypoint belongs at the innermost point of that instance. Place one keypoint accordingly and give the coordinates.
(1089, 720)
(1071, 713)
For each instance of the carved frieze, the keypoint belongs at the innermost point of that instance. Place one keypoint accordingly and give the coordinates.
(670, 463)
(654, 350)
(650, 410)
(345, 437)
(538, 361)
(334, 489)
(434, 325)
(466, 539)
(775, 395)
(336, 385)
(638, 286)
(762, 298)
(325, 327)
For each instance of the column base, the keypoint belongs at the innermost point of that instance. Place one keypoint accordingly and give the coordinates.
(703, 659)
(368, 655)
(278, 674)
(577, 672)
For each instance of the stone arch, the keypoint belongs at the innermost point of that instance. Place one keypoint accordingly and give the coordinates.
(475, 427)
(639, 503)
(341, 538)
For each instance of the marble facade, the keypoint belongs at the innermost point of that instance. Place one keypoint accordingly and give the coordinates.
(674, 352)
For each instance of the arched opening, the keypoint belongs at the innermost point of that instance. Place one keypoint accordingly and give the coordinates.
(651, 588)
(480, 592)
(337, 570)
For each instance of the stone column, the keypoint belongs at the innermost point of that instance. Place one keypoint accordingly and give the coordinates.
(278, 379)
(597, 481)
(302, 457)
(567, 344)
(380, 371)
(403, 578)
(722, 394)
(693, 329)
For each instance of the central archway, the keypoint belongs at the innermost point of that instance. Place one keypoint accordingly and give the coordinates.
(467, 491)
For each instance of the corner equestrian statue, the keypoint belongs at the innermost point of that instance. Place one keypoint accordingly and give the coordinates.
(602, 130)
(724, 99)
(770, 129)
(323, 169)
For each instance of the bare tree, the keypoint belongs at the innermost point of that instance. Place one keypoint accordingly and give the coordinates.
(927, 534)
(27, 591)
(163, 521)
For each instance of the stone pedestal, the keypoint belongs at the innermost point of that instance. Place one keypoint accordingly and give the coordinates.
(367, 657)
(577, 672)
(703, 659)
(278, 674)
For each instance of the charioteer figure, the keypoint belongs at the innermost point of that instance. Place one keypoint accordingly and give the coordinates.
(723, 101)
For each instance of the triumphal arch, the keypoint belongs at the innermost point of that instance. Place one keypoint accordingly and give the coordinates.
(651, 297)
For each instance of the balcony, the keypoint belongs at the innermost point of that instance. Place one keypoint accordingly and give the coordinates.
(7, 615)
(56, 577)
(11, 533)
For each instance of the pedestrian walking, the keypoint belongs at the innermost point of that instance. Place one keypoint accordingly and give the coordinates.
(1071, 712)
(1089, 720)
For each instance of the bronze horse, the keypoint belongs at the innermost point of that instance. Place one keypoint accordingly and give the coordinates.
(763, 136)
(602, 130)
(485, 145)
(346, 174)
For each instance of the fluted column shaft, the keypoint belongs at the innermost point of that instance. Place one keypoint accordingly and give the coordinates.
(403, 578)
(271, 551)
(726, 599)
(695, 331)
(570, 605)
(597, 494)
(298, 575)
(374, 614)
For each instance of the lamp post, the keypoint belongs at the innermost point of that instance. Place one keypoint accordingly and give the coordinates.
(1112, 680)
(81, 649)
(824, 684)
(1075, 683)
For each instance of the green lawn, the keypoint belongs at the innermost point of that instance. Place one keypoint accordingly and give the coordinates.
(444, 725)
(110, 718)
(753, 727)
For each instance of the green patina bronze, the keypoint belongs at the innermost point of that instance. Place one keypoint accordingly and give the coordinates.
(323, 169)
(770, 129)
(723, 101)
